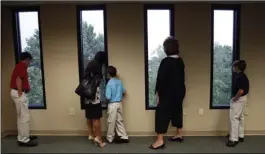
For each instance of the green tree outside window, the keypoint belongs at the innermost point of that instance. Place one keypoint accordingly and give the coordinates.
(92, 43)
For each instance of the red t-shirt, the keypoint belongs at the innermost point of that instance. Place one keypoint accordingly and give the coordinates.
(20, 71)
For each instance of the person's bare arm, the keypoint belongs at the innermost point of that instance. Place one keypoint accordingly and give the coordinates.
(123, 91)
(19, 86)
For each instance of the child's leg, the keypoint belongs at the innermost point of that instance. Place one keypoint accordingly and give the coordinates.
(112, 114)
(241, 122)
(229, 119)
(120, 129)
(241, 126)
(236, 109)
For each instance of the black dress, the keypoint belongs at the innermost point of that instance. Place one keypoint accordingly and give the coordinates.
(171, 89)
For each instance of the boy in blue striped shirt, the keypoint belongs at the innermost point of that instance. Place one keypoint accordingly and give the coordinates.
(114, 94)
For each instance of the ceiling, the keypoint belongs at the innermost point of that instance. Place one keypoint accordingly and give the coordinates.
(28, 3)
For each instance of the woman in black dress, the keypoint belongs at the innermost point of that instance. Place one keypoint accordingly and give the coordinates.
(170, 92)
(93, 108)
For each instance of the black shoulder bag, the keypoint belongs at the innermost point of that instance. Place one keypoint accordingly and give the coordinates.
(88, 86)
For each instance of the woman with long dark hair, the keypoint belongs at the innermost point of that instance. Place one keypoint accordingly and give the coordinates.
(170, 91)
(93, 107)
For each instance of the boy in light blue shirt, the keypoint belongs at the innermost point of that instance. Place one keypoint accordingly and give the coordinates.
(114, 94)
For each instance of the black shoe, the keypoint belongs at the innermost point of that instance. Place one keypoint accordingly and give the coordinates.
(33, 137)
(176, 139)
(241, 139)
(159, 147)
(232, 143)
(30, 143)
(120, 140)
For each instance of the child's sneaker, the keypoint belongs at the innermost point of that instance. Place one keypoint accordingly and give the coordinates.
(120, 140)
(232, 143)
(240, 139)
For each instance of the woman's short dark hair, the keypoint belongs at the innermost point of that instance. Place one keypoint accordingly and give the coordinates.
(100, 57)
(25, 56)
(240, 64)
(112, 71)
(95, 65)
(171, 46)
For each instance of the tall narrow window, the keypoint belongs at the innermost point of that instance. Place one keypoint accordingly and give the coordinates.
(91, 39)
(159, 24)
(225, 49)
(27, 38)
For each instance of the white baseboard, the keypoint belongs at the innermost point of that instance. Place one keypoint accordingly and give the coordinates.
(130, 133)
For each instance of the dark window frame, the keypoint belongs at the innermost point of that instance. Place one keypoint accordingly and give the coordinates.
(79, 10)
(17, 43)
(147, 7)
(236, 42)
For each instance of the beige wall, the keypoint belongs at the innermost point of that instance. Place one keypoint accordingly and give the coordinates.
(253, 50)
(126, 52)
(8, 115)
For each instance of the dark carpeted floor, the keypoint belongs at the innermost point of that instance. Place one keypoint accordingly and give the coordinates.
(53, 144)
